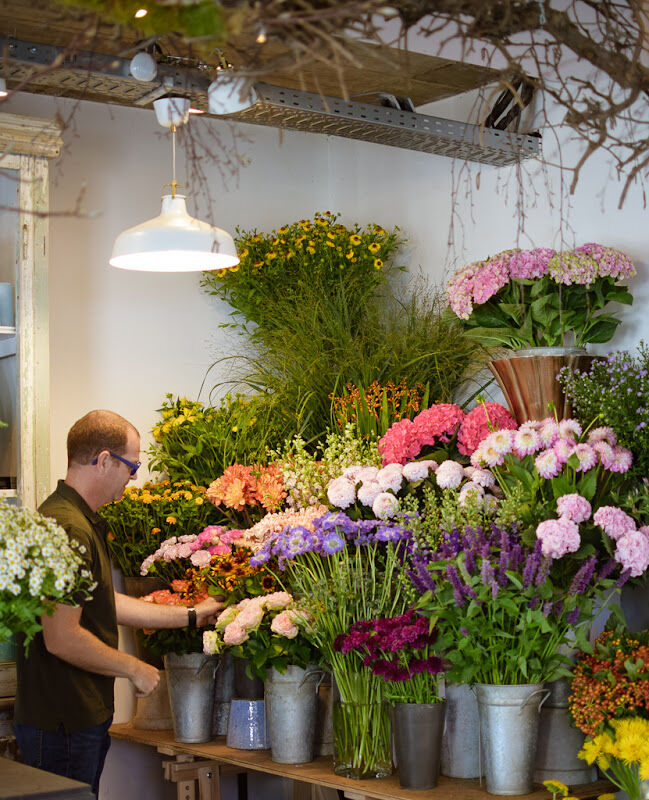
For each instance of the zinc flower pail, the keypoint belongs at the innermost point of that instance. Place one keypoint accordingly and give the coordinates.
(291, 710)
(190, 678)
(559, 741)
(461, 740)
(417, 736)
(509, 724)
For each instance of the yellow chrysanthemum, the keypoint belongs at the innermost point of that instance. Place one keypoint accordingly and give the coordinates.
(199, 501)
(171, 520)
(643, 770)
(556, 787)
(373, 247)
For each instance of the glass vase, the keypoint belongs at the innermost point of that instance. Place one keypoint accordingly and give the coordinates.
(362, 743)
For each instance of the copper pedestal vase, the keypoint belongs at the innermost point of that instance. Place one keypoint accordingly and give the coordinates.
(528, 379)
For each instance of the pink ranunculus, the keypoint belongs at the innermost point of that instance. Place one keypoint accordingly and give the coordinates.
(251, 616)
(234, 634)
(277, 600)
(615, 522)
(574, 507)
(632, 552)
(558, 537)
(283, 625)
(200, 558)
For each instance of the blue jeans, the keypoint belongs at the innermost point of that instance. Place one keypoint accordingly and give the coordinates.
(79, 756)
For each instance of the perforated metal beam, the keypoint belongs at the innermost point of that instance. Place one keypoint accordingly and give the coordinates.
(107, 79)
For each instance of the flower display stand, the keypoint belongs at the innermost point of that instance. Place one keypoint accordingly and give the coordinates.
(197, 767)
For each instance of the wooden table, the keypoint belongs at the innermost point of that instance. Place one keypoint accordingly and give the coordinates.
(198, 767)
(20, 782)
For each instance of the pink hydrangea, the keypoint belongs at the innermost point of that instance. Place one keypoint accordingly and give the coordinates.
(489, 280)
(558, 537)
(574, 507)
(438, 423)
(632, 552)
(613, 521)
(449, 474)
(400, 443)
(528, 264)
(547, 464)
(479, 423)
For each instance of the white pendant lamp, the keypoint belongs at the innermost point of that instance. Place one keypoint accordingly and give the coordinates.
(174, 241)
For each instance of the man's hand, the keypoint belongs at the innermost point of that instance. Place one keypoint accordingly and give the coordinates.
(144, 678)
(207, 611)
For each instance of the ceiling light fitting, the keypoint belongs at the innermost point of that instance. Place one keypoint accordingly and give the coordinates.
(143, 67)
(140, 13)
(230, 93)
(174, 241)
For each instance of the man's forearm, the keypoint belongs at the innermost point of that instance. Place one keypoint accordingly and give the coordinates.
(139, 614)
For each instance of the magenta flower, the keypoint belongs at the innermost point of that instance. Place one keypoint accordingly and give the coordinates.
(586, 455)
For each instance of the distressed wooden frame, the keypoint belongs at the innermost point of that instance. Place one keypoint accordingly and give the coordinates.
(26, 145)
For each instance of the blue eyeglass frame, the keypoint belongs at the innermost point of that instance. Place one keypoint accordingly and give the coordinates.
(134, 467)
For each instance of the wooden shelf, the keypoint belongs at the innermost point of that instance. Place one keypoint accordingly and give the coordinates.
(320, 771)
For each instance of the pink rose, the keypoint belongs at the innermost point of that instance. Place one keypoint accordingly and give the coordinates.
(283, 625)
(201, 558)
(277, 600)
(234, 634)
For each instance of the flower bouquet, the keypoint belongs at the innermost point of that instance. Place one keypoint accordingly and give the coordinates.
(174, 640)
(40, 567)
(246, 493)
(559, 481)
(147, 515)
(344, 571)
(270, 631)
(609, 702)
(541, 298)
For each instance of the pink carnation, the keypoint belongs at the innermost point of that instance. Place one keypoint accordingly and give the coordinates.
(479, 423)
(632, 552)
(613, 521)
(558, 537)
(574, 507)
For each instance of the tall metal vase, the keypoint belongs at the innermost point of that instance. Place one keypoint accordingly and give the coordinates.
(190, 678)
(509, 725)
(418, 729)
(461, 740)
(528, 379)
(291, 709)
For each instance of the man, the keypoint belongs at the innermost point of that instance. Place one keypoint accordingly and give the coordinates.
(64, 702)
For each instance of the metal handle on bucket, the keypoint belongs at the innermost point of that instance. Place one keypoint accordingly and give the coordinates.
(215, 665)
(307, 674)
(528, 698)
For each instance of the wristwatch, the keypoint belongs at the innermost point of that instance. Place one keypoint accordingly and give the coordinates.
(191, 619)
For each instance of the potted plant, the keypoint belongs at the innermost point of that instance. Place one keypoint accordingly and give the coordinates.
(523, 300)
(271, 632)
(399, 650)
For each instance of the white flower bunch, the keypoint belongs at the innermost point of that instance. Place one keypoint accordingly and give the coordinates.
(39, 566)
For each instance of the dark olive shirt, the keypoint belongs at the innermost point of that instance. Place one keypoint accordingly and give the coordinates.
(51, 691)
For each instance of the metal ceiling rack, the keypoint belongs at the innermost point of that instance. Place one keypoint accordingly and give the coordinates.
(106, 79)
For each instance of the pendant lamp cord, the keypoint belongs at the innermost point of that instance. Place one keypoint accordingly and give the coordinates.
(174, 182)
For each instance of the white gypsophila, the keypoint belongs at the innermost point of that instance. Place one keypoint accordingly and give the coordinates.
(34, 551)
(390, 477)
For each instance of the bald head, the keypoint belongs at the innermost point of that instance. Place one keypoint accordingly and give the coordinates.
(96, 431)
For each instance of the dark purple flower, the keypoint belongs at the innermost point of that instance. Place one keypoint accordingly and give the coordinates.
(583, 576)
(573, 616)
(624, 577)
(607, 569)
(544, 571)
(454, 579)
(547, 608)
(534, 602)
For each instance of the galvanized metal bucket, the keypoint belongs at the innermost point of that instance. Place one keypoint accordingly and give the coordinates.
(223, 694)
(190, 678)
(291, 709)
(559, 742)
(461, 740)
(417, 731)
(509, 724)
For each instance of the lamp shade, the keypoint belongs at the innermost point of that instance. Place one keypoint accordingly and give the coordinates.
(174, 242)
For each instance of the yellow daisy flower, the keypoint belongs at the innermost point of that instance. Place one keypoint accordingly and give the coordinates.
(373, 247)
(310, 249)
(349, 254)
(283, 229)
(355, 239)
(556, 786)
(199, 501)
(378, 263)
(243, 253)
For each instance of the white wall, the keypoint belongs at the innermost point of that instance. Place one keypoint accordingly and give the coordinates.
(122, 340)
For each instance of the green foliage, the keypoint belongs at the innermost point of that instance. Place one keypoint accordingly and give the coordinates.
(615, 392)
(173, 640)
(197, 444)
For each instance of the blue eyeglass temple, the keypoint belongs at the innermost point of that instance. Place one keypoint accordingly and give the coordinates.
(133, 467)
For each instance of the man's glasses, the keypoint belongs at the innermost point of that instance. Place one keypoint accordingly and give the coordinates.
(133, 467)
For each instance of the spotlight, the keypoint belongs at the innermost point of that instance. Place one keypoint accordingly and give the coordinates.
(141, 12)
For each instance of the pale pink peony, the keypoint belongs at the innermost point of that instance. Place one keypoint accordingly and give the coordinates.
(613, 521)
(201, 558)
(385, 505)
(632, 552)
(283, 625)
(574, 507)
(277, 600)
(449, 474)
(234, 634)
(558, 537)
